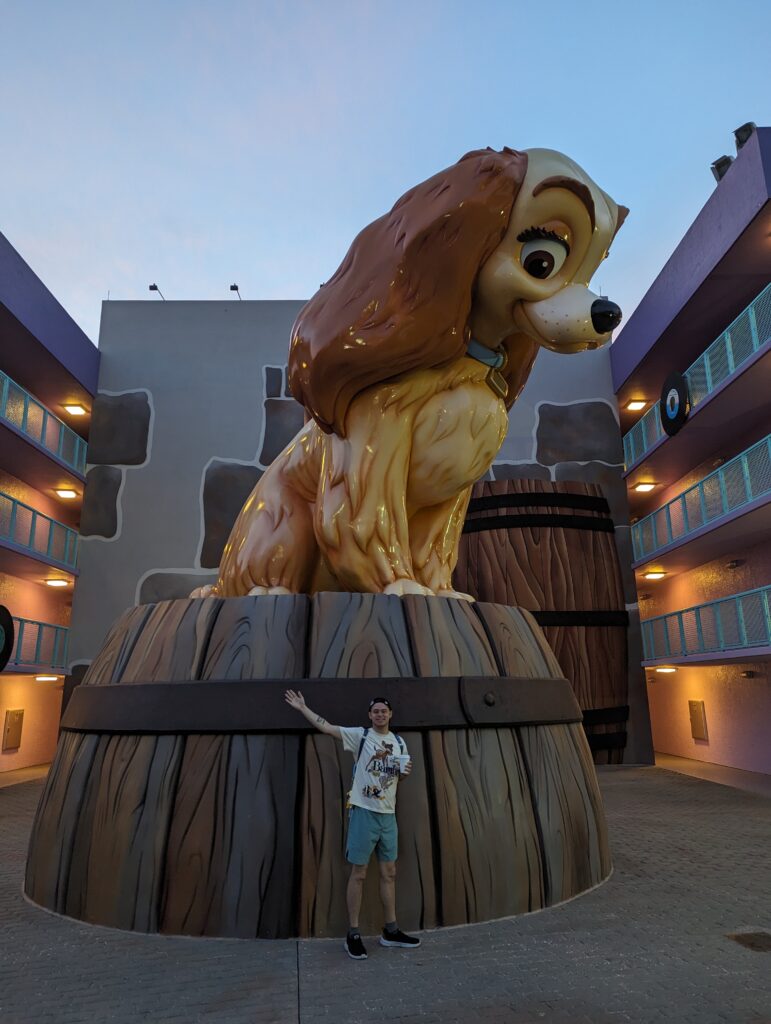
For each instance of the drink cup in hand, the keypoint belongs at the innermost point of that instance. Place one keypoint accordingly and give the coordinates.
(401, 760)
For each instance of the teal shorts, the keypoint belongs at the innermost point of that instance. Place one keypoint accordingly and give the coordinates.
(368, 831)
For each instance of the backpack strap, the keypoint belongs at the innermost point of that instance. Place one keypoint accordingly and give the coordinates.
(361, 747)
(356, 764)
(401, 742)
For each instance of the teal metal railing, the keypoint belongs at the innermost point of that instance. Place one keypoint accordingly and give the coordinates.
(37, 532)
(39, 645)
(732, 486)
(24, 412)
(749, 332)
(729, 624)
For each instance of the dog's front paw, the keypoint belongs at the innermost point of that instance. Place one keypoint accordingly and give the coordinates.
(202, 591)
(402, 587)
(457, 594)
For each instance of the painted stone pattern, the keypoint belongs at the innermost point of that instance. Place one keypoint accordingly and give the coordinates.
(99, 517)
(120, 429)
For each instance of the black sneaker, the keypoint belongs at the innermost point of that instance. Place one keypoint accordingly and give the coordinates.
(354, 947)
(398, 938)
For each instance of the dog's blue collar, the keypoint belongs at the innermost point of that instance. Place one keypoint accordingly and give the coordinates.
(483, 354)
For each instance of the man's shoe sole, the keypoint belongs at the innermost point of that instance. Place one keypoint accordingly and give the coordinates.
(353, 956)
(401, 945)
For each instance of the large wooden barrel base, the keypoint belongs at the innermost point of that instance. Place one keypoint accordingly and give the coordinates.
(167, 810)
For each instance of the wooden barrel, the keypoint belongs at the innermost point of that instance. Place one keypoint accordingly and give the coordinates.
(549, 547)
(186, 797)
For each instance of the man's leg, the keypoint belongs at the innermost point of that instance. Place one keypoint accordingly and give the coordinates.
(353, 894)
(387, 851)
(388, 889)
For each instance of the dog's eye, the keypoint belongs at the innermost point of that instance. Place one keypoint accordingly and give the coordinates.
(542, 258)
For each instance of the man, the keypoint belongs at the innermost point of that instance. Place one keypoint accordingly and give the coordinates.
(380, 757)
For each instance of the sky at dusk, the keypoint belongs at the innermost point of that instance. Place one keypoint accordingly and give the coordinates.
(198, 144)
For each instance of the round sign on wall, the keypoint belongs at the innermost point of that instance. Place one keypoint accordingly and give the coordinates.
(674, 404)
(6, 636)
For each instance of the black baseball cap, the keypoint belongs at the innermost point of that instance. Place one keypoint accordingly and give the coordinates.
(380, 700)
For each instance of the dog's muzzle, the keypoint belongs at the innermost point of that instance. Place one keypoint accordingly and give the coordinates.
(571, 320)
(606, 316)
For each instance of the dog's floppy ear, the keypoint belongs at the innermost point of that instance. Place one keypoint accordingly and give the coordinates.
(401, 298)
(623, 213)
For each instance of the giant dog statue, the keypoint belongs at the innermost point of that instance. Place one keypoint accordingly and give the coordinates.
(407, 361)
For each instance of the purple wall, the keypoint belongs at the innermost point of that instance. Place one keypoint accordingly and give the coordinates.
(35, 312)
(731, 208)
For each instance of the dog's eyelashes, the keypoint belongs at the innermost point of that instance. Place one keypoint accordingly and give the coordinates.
(533, 233)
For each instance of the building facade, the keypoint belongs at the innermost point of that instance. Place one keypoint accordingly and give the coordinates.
(48, 377)
(700, 499)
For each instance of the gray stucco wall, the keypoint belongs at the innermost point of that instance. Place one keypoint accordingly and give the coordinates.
(192, 407)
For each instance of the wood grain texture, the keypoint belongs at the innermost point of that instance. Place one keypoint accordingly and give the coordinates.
(110, 662)
(358, 635)
(447, 638)
(173, 642)
(258, 639)
(52, 836)
(230, 862)
(490, 861)
(119, 850)
(573, 840)
(517, 640)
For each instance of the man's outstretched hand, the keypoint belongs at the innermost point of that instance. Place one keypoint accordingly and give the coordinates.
(295, 700)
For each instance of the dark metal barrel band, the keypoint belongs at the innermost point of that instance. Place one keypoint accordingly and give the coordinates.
(539, 499)
(552, 520)
(606, 716)
(258, 705)
(606, 740)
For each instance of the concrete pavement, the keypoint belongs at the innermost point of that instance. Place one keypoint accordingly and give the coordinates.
(650, 945)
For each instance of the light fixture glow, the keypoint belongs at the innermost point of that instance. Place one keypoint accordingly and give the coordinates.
(46, 679)
(636, 404)
(644, 488)
(654, 574)
(666, 670)
(66, 492)
(57, 583)
(75, 410)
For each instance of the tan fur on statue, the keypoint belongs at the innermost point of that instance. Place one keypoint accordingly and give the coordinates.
(371, 494)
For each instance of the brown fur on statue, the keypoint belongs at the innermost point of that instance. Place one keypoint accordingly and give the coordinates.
(407, 361)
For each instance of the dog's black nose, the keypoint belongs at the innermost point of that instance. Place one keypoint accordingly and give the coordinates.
(605, 315)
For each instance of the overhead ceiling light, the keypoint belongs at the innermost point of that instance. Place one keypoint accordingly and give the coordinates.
(57, 583)
(644, 488)
(654, 574)
(666, 670)
(636, 404)
(66, 492)
(46, 679)
(75, 410)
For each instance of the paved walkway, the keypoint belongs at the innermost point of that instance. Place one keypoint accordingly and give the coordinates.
(691, 865)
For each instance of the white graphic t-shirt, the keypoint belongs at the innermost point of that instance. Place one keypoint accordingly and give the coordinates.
(377, 773)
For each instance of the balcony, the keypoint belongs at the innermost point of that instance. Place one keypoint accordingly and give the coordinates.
(27, 532)
(740, 489)
(730, 629)
(741, 344)
(40, 646)
(26, 416)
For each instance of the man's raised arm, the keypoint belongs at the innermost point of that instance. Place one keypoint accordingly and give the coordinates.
(297, 701)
